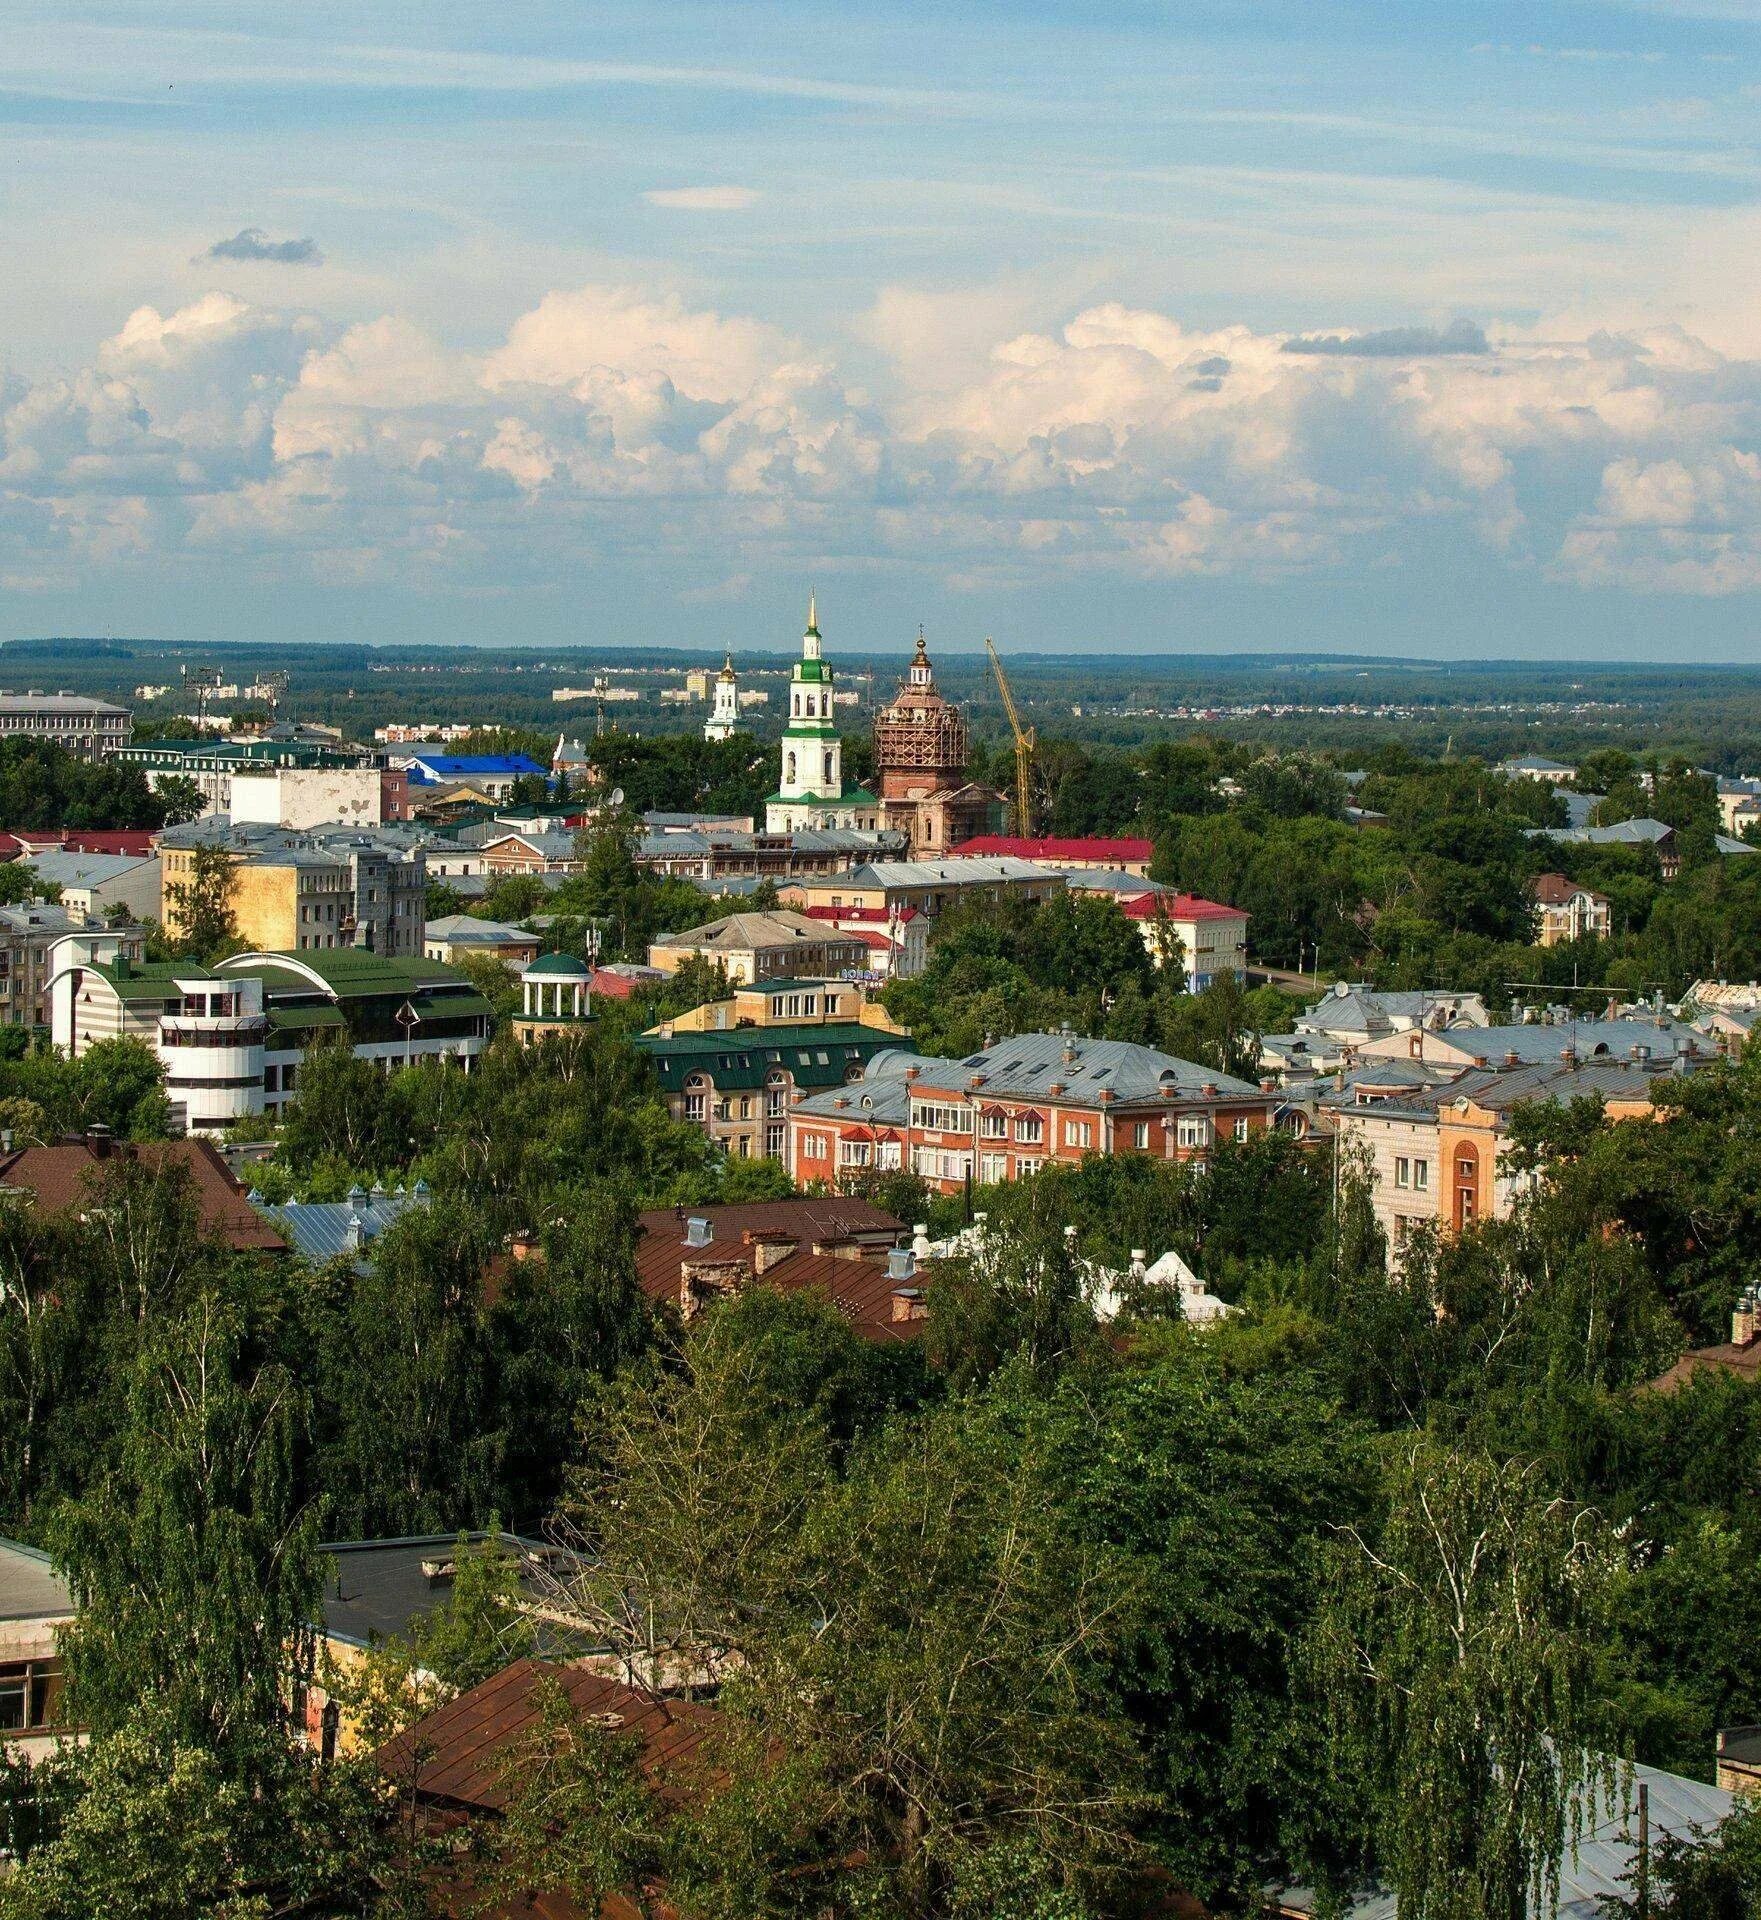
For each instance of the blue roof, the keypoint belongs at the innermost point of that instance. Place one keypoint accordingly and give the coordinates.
(466, 766)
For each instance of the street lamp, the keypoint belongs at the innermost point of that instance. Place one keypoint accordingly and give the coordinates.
(409, 1019)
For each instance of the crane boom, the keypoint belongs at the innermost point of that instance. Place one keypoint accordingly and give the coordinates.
(1024, 744)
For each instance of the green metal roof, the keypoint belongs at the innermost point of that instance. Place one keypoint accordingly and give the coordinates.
(283, 1019)
(147, 979)
(350, 973)
(452, 1006)
(813, 1057)
(850, 797)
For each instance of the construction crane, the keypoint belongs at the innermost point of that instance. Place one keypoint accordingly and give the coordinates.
(1024, 743)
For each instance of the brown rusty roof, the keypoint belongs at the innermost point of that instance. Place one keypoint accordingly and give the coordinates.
(462, 1750)
(815, 1221)
(861, 1290)
(1743, 1361)
(61, 1178)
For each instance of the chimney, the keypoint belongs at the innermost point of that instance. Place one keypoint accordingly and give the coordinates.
(99, 1140)
(908, 1304)
(1568, 1056)
(768, 1249)
(1139, 1262)
(698, 1231)
(1745, 1322)
(901, 1264)
(1069, 1045)
(920, 1241)
(1512, 1058)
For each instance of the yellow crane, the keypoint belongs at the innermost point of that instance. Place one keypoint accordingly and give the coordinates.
(1024, 743)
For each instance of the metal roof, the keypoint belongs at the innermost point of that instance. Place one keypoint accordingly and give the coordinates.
(322, 1230)
(1030, 1064)
(30, 1588)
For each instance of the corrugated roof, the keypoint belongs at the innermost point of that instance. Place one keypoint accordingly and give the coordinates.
(61, 1176)
(740, 1059)
(319, 1230)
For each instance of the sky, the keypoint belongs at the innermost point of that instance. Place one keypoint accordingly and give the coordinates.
(1206, 325)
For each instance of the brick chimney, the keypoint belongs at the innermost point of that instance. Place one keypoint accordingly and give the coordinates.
(768, 1247)
(1745, 1322)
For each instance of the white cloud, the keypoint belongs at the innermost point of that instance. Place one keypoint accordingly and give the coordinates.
(620, 420)
(704, 199)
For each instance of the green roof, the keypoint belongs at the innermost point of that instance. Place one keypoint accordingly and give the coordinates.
(812, 670)
(147, 979)
(813, 1057)
(287, 1018)
(351, 973)
(452, 1006)
(850, 797)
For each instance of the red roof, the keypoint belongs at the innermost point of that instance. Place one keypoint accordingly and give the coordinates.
(997, 845)
(62, 1180)
(842, 914)
(1179, 906)
(620, 985)
(135, 840)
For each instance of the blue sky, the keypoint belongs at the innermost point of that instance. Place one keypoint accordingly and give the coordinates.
(1415, 329)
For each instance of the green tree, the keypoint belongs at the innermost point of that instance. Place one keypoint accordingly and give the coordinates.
(201, 906)
(1456, 1650)
(193, 1557)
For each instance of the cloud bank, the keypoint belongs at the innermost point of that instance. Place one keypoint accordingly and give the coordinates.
(703, 199)
(625, 422)
(252, 243)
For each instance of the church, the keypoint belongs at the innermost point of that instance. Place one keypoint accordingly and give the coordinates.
(811, 792)
(920, 767)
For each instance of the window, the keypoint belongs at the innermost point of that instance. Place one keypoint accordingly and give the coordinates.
(1079, 1133)
(1193, 1131)
(696, 1106)
(773, 1141)
(993, 1125)
(1241, 1127)
(935, 1118)
(1402, 1171)
(1030, 1129)
(24, 1695)
(855, 1153)
(1421, 1175)
(1140, 1135)
(993, 1167)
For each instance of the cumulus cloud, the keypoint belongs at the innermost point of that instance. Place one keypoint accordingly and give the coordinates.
(252, 243)
(1394, 343)
(629, 421)
(704, 199)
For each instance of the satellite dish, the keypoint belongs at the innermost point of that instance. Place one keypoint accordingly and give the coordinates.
(617, 796)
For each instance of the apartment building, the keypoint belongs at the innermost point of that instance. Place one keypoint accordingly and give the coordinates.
(1208, 938)
(88, 728)
(29, 937)
(1004, 1113)
(1128, 855)
(298, 892)
(1566, 911)
(786, 1003)
(211, 764)
(926, 886)
(739, 1087)
(763, 946)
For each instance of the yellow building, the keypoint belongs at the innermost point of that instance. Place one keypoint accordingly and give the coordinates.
(786, 1003)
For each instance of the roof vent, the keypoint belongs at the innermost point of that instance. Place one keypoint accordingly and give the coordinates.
(699, 1231)
(901, 1264)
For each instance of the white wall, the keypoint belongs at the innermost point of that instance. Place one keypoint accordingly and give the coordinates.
(306, 796)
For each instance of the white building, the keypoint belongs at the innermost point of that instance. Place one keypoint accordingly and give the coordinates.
(89, 728)
(724, 715)
(93, 883)
(307, 796)
(811, 792)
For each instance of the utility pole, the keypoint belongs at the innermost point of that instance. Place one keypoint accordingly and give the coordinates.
(1644, 1851)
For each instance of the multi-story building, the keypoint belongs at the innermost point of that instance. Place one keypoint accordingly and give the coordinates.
(738, 1087)
(97, 884)
(898, 944)
(309, 796)
(1566, 911)
(707, 854)
(1131, 854)
(456, 935)
(1435, 1155)
(231, 1038)
(926, 886)
(88, 728)
(786, 1003)
(36, 1609)
(300, 892)
(920, 767)
(211, 764)
(763, 946)
(29, 937)
(1006, 1112)
(1208, 938)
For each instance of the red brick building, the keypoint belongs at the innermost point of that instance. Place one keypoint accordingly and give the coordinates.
(1004, 1113)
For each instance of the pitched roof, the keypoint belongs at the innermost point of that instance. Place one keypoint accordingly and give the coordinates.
(61, 868)
(59, 1178)
(1554, 890)
(467, 766)
(466, 930)
(1031, 1064)
(814, 1221)
(1054, 848)
(1728, 1357)
(1179, 906)
(319, 1230)
(461, 1754)
(881, 1098)
(30, 1588)
(744, 932)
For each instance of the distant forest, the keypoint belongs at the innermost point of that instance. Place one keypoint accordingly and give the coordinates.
(1711, 715)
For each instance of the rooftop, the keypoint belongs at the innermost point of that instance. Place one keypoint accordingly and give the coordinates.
(815, 1056)
(1053, 849)
(30, 1588)
(744, 932)
(324, 1230)
(378, 1589)
(1031, 1064)
(59, 1180)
